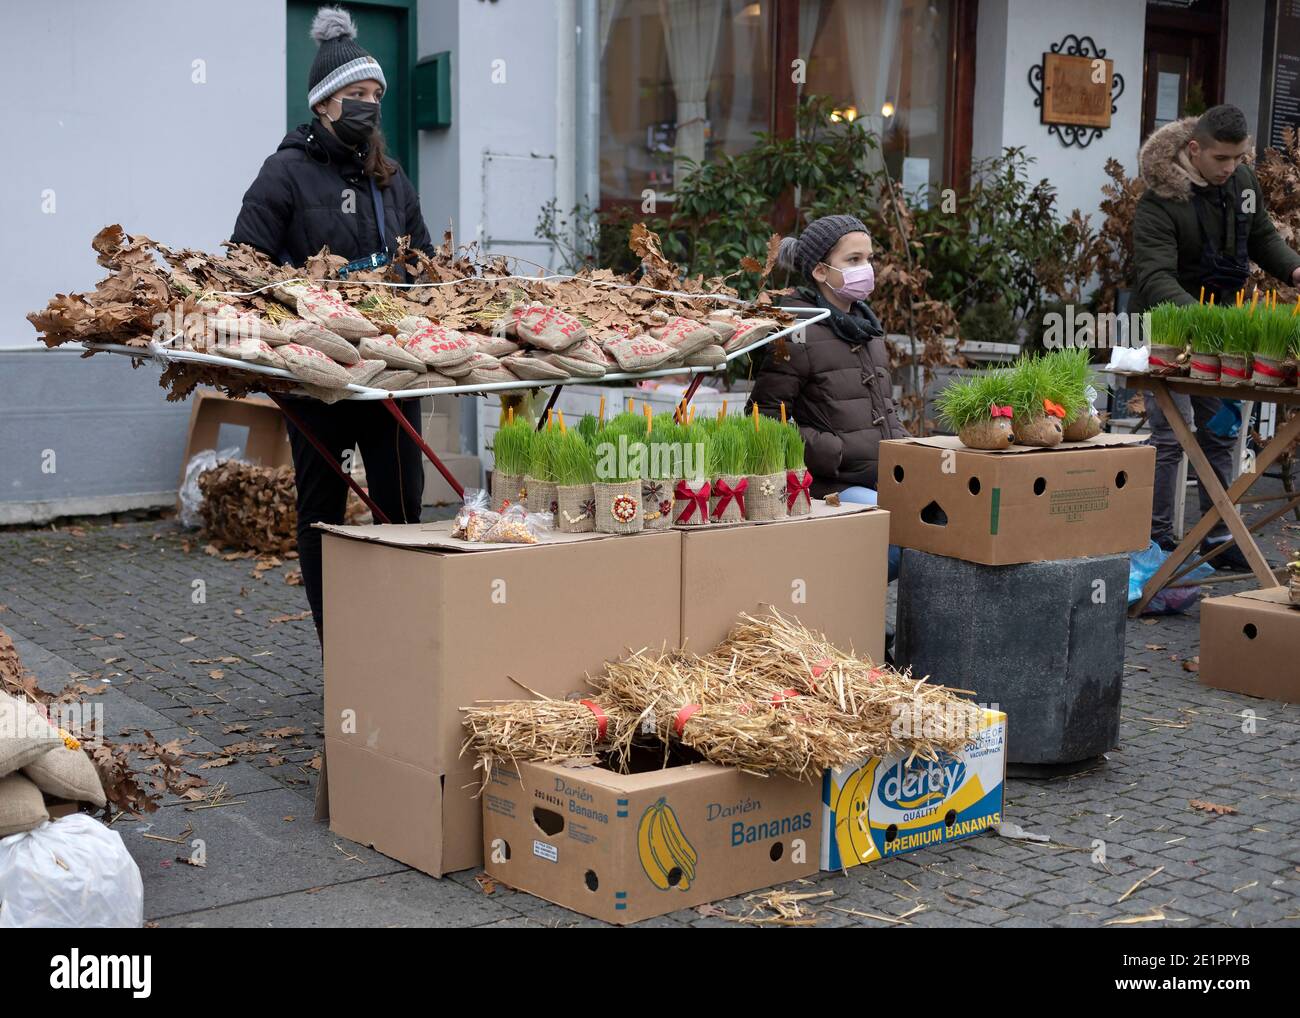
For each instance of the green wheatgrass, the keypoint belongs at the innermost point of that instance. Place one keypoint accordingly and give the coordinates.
(589, 427)
(512, 447)
(695, 439)
(728, 449)
(794, 447)
(766, 446)
(967, 400)
(1033, 379)
(541, 464)
(1238, 331)
(573, 460)
(1168, 325)
(1275, 332)
(1205, 328)
(1070, 374)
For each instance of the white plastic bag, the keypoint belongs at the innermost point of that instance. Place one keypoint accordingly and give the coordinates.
(70, 873)
(190, 495)
(1129, 358)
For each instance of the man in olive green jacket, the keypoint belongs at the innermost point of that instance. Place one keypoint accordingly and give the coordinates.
(1199, 223)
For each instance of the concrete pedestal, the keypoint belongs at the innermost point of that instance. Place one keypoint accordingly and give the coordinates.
(1043, 642)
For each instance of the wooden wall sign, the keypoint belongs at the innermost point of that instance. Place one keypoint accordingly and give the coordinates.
(1076, 87)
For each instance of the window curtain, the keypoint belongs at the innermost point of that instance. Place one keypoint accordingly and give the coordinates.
(871, 40)
(691, 30)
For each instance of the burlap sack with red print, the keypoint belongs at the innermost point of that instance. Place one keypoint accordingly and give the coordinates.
(391, 352)
(254, 351)
(588, 350)
(495, 346)
(440, 347)
(750, 330)
(573, 367)
(430, 380)
(529, 364)
(330, 344)
(685, 335)
(311, 366)
(393, 379)
(641, 353)
(412, 323)
(724, 322)
(546, 327)
(489, 373)
(230, 324)
(364, 371)
(481, 361)
(712, 356)
(326, 308)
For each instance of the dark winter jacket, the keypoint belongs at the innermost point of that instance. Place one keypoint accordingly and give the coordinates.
(1167, 240)
(839, 393)
(300, 203)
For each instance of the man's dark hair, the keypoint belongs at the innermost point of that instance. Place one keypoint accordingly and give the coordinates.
(1226, 124)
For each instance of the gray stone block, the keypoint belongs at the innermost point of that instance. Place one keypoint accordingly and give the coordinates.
(1044, 641)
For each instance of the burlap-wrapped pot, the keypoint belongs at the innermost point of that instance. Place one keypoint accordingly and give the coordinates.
(798, 492)
(987, 433)
(1234, 369)
(541, 496)
(1041, 430)
(506, 488)
(618, 507)
(1164, 360)
(727, 499)
(1205, 366)
(1082, 428)
(691, 503)
(1294, 588)
(657, 502)
(577, 513)
(1270, 371)
(765, 497)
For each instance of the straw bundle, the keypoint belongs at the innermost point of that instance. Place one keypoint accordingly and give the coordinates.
(540, 731)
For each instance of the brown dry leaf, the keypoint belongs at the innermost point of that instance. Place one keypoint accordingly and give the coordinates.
(1157, 916)
(281, 733)
(1156, 646)
(216, 673)
(235, 729)
(221, 761)
(290, 618)
(1148, 622)
(315, 762)
(248, 747)
(293, 577)
(1212, 807)
(1192, 664)
(274, 761)
(486, 884)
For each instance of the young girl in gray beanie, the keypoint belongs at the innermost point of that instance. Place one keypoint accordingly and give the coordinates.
(835, 384)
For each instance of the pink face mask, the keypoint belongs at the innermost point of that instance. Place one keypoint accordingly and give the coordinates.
(858, 282)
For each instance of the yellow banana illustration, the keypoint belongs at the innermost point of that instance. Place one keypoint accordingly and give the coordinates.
(664, 849)
(853, 832)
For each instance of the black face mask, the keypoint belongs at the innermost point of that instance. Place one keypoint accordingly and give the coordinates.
(358, 121)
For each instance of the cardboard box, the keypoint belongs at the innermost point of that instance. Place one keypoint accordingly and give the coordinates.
(414, 632)
(1249, 644)
(911, 807)
(1018, 504)
(626, 847)
(830, 569)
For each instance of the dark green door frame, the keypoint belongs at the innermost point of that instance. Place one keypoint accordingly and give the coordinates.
(398, 105)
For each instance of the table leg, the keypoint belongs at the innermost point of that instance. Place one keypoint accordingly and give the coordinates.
(432, 456)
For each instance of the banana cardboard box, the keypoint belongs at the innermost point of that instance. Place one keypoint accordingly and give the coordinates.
(885, 807)
(626, 847)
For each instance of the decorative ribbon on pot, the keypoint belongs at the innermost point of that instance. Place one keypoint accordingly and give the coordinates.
(1157, 362)
(794, 487)
(1268, 369)
(1226, 369)
(602, 719)
(683, 716)
(1210, 369)
(996, 411)
(694, 500)
(1055, 409)
(726, 493)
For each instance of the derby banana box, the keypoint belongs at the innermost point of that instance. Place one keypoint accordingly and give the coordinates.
(626, 847)
(910, 807)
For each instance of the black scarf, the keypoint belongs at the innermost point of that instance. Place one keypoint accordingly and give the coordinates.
(860, 325)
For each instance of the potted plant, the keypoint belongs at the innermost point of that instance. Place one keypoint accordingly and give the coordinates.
(663, 470)
(1238, 342)
(765, 496)
(728, 465)
(691, 493)
(512, 453)
(1275, 329)
(979, 410)
(798, 478)
(1072, 388)
(620, 465)
(1168, 327)
(541, 494)
(574, 464)
(1037, 419)
(1206, 333)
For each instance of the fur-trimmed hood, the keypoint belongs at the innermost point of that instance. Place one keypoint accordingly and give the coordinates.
(1159, 165)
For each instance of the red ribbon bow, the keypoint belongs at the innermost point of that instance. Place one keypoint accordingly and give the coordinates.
(693, 499)
(999, 411)
(726, 493)
(1055, 409)
(794, 487)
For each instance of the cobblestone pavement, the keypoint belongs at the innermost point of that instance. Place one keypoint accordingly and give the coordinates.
(113, 603)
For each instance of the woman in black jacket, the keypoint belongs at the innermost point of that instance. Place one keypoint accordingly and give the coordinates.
(835, 383)
(330, 184)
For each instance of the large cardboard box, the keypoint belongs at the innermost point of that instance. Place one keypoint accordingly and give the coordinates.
(887, 807)
(413, 632)
(830, 569)
(1250, 642)
(1018, 504)
(626, 847)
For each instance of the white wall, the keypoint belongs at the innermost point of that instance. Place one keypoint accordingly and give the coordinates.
(106, 116)
(1013, 35)
(1245, 61)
